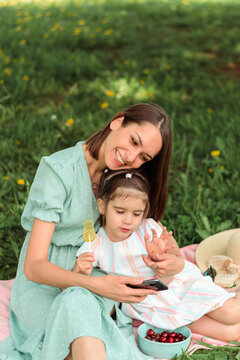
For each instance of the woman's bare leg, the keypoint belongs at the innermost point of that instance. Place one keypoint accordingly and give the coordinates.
(87, 348)
(215, 329)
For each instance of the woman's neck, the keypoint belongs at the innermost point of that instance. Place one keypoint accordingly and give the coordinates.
(95, 169)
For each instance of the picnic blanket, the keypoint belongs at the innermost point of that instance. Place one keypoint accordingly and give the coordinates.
(5, 292)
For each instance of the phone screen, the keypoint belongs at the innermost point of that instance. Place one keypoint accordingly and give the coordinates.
(153, 284)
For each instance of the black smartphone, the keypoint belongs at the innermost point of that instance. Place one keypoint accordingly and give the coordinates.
(153, 284)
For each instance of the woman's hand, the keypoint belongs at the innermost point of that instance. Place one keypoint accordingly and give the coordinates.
(84, 263)
(115, 287)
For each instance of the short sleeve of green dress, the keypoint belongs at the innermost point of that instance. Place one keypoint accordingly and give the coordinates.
(44, 320)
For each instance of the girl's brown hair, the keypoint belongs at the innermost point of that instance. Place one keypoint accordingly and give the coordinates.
(156, 170)
(123, 183)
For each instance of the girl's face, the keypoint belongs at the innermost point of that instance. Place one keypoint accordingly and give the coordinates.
(123, 215)
(130, 146)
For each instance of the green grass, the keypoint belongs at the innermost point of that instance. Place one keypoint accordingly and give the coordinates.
(59, 60)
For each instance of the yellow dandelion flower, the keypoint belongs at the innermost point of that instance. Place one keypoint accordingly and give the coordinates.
(8, 71)
(209, 111)
(18, 142)
(149, 94)
(26, 78)
(81, 22)
(22, 42)
(38, 15)
(215, 153)
(210, 170)
(108, 32)
(77, 31)
(18, 28)
(104, 105)
(1, 81)
(21, 182)
(146, 71)
(185, 2)
(142, 81)
(110, 93)
(5, 177)
(70, 122)
(168, 67)
(221, 167)
(126, 61)
(1, 51)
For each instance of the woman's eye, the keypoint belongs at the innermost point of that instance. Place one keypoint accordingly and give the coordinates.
(133, 141)
(144, 158)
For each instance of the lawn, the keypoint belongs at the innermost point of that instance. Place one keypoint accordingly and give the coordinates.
(66, 67)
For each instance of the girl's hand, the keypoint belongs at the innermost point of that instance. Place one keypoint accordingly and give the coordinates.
(84, 263)
(158, 245)
(167, 263)
(115, 287)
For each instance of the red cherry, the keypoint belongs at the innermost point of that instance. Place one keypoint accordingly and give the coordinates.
(177, 339)
(164, 333)
(157, 337)
(163, 339)
(172, 334)
(183, 337)
(148, 337)
(150, 332)
(170, 340)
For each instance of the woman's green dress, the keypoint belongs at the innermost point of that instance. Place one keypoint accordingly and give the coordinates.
(43, 320)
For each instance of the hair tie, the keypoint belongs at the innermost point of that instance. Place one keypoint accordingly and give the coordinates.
(128, 175)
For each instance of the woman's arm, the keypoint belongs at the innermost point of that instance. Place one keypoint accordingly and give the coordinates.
(37, 268)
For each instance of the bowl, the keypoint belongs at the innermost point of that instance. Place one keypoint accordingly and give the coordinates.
(161, 350)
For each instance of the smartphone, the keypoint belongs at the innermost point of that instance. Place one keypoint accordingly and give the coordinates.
(153, 284)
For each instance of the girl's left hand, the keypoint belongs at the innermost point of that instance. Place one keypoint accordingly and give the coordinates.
(158, 245)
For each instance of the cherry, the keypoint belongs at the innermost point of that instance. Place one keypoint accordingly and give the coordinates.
(163, 339)
(151, 332)
(170, 340)
(177, 339)
(164, 333)
(172, 334)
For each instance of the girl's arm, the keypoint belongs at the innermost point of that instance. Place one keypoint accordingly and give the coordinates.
(37, 268)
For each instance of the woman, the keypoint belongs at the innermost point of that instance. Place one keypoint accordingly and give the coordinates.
(76, 323)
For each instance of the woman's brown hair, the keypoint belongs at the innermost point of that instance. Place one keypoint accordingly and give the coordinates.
(156, 170)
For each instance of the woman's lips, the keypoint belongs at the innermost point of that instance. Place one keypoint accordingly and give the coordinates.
(118, 159)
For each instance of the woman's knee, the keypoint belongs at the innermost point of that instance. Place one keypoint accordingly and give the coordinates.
(232, 333)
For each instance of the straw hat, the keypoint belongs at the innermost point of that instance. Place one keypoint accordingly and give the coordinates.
(222, 252)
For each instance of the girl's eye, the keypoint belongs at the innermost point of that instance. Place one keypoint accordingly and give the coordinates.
(119, 211)
(137, 214)
(133, 141)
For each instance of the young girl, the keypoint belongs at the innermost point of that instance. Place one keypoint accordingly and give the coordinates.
(119, 248)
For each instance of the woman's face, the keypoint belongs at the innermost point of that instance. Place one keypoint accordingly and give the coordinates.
(130, 146)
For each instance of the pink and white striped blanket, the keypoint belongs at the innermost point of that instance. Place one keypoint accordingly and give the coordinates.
(5, 292)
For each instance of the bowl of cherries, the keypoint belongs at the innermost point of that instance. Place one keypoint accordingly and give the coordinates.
(162, 343)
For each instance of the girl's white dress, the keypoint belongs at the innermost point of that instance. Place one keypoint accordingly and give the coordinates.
(189, 296)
